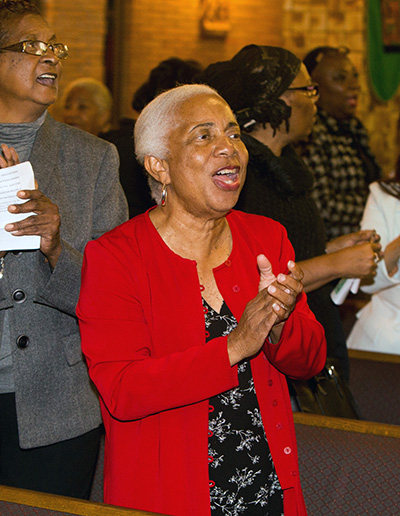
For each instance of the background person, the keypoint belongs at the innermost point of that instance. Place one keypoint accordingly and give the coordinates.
(337, 151)
(50, 417)
(87, 104)
(377, 327)
(274, 99)
(189, 331)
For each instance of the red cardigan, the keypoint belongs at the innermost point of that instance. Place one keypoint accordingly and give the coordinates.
(143, 333)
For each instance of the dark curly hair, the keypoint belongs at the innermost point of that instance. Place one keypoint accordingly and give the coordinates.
(316, 55)
(166, 75)
(10, 12)
(252, 82)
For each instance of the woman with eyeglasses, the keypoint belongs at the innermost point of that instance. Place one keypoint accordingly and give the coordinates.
(49, 412)
(337, 151)
(274, 100)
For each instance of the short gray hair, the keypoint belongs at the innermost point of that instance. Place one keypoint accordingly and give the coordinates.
(98, 90)
(156, 121)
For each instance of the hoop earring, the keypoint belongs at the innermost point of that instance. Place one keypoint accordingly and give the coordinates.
(164, 196)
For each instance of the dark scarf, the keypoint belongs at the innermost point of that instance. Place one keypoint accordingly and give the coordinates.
(278, 187)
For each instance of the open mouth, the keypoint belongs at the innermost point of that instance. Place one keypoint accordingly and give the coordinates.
(47, 79)
(227, 178)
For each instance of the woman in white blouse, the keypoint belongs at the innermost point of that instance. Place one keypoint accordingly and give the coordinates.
(378, 324)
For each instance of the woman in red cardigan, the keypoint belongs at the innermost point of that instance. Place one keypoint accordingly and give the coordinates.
(191, 314)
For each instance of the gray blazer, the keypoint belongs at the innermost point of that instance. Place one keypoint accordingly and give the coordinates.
(54, 397)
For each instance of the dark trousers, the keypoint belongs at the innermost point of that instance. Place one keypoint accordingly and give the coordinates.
(65, 468)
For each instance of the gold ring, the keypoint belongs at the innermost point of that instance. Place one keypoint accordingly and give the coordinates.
(376, 257)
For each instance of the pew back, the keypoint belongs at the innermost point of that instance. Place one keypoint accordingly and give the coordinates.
(375, 384)
(348, 467)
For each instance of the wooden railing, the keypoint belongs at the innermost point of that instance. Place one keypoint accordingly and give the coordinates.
(64, 504)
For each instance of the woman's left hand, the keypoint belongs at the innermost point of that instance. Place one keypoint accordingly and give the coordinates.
(285, 290)
(351, 239)
(46, 222)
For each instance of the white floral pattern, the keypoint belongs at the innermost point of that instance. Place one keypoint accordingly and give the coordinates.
(243, 480)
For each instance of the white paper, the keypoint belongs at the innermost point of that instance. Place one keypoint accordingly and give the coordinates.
(13, 179)
(343, 287)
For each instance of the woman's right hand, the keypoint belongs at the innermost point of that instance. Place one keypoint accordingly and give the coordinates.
(359, 261)
(265, 315)
(9, 157)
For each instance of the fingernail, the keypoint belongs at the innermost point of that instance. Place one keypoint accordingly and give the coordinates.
(9, 227)
(12, 208)
(271, 289)
(290, 263)
(276, 307)
(281, 277)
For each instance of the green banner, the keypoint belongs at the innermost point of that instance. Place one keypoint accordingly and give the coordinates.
(383, 47)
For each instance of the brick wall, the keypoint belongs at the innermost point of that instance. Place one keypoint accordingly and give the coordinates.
(82, 27)
(155, 30)
(310, 23)
(162, 29)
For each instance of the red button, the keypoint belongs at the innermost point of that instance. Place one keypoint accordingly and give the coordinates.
(210, 433)
(293, 473)
(210, 459)
(274, 403)
(279, 426)
(205, 309)
(236, 288)
(210, 408)
(228, 263)
(211, 483)
(287, 450)
(201, 288)
(207, 333)
(270, 383)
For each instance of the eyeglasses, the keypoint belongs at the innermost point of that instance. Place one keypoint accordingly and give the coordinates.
(38, 48)
(311, 90)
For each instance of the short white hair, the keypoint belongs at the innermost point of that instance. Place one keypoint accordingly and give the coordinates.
(155, 123)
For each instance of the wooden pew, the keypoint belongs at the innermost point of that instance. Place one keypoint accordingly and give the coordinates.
(17, 502)
(375, 384)
(348, 467)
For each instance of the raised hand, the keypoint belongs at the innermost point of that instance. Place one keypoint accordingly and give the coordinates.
(266, 275)
(265, 315)
(9, 158)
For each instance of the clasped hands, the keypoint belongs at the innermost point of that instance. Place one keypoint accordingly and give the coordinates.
(265, 315)
(45, 222)
(359, 252)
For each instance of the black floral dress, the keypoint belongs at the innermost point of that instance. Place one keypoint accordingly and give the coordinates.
(242, 476)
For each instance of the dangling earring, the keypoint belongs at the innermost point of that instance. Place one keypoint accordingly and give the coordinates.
(164, 195)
